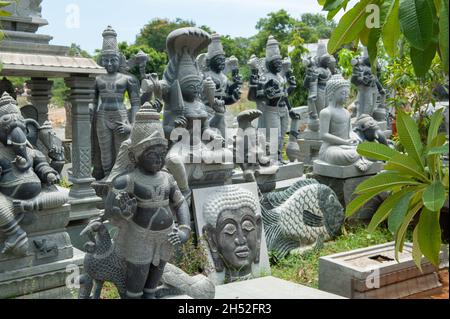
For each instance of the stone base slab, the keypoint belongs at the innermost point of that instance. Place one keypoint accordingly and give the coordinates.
(329, 170)
(85, 208)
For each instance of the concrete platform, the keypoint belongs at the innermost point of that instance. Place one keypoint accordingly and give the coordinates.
(270, 288)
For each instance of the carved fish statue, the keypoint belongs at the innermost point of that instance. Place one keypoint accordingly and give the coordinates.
(307, 213)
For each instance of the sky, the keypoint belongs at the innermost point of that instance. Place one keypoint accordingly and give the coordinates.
(83, 21)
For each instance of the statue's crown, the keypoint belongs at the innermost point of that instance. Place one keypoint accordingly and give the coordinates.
(8, 105)
(336, 82)
(110, 45)
(215, 48)
(272, 49)
(147, 121)
(187, 69)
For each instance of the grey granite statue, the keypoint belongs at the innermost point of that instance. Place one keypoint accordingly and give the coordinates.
(141, 202)
(26, 178)
(102, 264)
(368, 130)
(250, 148)
(25, 8)
(318, 73)
(233, 231)
(339, 142)
(306, 214)
(224, 91)
(111, 124)
(271, 83)
(371, 95)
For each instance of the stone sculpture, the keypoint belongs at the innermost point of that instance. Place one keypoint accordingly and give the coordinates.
(103, 264)
(271, 83)
(141, 202)
(111, 123)
(233, 231)
(371, 95)
(224, 92)
(318, 73)
(368, 130)
(25, 8)
(305, 215)
(250, 149)
(339, 142)
(26, 179)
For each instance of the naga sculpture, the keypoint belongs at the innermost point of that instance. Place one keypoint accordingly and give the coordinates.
(233, 231)
(26, 178)
(306, 214)
(271, 83)
(216, 67)
(111, 123)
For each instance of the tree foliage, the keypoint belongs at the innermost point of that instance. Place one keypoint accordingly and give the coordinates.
(422, 23)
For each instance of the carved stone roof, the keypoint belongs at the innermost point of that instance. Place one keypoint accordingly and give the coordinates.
(41, 65)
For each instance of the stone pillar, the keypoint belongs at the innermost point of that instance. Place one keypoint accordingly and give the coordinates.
(41, 93)
(81, 95)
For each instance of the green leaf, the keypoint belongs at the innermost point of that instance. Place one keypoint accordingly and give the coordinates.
(391, 29)
(443, 34)
(400, 235)
(435, 123)
(417, 253)
(416, 22)
(386, 181)
(421, 60)
(331, 5)
(398, 212)
(432, 160)
(429, 235)
(386, 207)
(376, 151)
(440, 150)
(359, 202)
(349, 26)
(409, 136)
(372, 47)
(434, 196)
(406, 165)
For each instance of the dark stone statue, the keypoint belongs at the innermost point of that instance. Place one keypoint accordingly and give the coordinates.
(111, 120)
(26, 178)
(271, 83)
(233, 231)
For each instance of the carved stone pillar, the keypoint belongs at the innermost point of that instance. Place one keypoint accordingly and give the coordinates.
(81, 95)
(41, 93)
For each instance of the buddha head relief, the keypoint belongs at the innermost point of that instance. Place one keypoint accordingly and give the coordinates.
(338, 90)
(233, 230)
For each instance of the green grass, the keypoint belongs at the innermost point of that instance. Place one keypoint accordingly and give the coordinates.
(304, 269)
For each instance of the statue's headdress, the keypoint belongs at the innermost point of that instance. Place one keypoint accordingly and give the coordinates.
(146, 122)
(229, 197)
(8, 105)
(155, 139)
(366, 122)
(215, 48)
(272, 49)
(336, 82)
(110, 45)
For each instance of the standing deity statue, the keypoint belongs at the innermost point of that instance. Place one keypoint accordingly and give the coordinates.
(146, 203)
(111, 123)
(26, 179)
(339, 142)
(318, 73)
(371, 95)
(271, 83)
(226, 91)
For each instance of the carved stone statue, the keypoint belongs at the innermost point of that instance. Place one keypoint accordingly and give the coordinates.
(26, 179)
(141, 202)
(319, 72)
(371, 95)
(25, 8)
(271, 83)
(111, 123)
(226, 92)
(305, 215)
(368, 130)
(339, 145)
(233, 231)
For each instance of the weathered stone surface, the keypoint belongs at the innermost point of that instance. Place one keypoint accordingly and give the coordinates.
(344, 172)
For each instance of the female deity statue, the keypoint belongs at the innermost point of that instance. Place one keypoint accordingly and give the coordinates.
(111, 123)
(339, 143)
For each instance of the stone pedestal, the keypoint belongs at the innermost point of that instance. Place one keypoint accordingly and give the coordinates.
(81, 95)
(41, 92)
(50, 251)
(344, 180)
(373, 273)
(309, 143)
